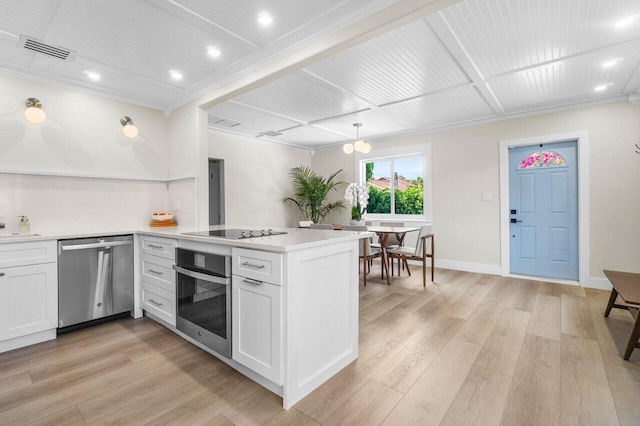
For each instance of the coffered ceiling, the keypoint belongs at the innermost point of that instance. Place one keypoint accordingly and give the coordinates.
(475, 61)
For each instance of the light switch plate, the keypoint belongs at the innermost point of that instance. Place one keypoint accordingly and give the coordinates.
(487, 196)
(176, 206)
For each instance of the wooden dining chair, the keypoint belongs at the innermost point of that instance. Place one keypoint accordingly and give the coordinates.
(321, 226)
(365, 251)
(392, 241)
(420, 252)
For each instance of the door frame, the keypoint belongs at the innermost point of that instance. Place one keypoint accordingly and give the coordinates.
(582, 138)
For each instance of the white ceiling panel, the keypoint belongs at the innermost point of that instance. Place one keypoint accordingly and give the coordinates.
(301, 97)
(309, 136)
(506, 35)
(405, 63)
(567, 81)
(252, 121)
(444, 108)
(30, 18)
(113, 81)
(239, 17)
(143, 39)
(13, 56)
(375, 123)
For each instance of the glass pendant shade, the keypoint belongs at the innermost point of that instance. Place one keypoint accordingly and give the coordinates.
(359, 145)
(348, 148)
(35, 115)
(130, 131)
(34, 112)
(366, 148)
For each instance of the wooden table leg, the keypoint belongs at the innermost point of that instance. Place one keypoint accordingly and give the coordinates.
(633, 340)
(385, 265)
(612, 300)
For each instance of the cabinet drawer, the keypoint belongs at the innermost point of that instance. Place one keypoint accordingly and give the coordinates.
(163, 247)
(159, 302)
(29, 253)
(259, 265)
(159, 272)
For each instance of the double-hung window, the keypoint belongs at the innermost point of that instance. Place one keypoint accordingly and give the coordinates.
(399, 182)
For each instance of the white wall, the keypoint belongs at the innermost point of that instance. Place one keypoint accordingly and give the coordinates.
(82, 134)
(257, 179)
(465, 163)
(67, 205)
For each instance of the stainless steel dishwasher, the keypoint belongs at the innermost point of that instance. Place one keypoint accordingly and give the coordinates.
(95, 279)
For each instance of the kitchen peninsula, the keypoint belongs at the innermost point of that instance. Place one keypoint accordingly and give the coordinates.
(299, 324)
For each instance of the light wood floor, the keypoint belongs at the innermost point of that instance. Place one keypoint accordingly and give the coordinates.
(470, 349)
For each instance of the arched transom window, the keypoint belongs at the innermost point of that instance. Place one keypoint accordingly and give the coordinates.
(542, 159)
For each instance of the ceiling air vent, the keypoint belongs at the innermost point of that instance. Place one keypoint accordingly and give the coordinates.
(222, 122)
(45, 49)
(269, 133)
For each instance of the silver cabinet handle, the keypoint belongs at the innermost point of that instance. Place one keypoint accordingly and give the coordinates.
(250, 281)
(155, 247)
(155, 303)
(1, 274)
(155, 272)
(201, 276)
(252, 265)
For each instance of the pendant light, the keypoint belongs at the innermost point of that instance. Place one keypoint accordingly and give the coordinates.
(359, 145)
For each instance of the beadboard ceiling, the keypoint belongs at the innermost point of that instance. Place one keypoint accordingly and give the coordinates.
(473, 62)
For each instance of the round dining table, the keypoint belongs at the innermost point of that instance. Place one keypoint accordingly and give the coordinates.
(383, 233)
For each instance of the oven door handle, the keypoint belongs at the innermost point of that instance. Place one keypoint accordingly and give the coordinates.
(201, 276)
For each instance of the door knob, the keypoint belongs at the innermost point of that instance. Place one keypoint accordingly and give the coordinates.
(515, 221)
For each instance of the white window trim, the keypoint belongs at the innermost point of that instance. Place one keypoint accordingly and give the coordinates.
(423, 150)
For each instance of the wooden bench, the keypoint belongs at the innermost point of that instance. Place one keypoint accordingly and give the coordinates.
(627, 285)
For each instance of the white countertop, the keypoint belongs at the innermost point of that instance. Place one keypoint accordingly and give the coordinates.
(294, 239)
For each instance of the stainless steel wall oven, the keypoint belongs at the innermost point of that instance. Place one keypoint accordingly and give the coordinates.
(203, 289)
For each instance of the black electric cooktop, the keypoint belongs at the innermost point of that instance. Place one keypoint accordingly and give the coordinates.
(236, 234)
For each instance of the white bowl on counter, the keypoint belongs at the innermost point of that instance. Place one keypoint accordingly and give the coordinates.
(162, 217)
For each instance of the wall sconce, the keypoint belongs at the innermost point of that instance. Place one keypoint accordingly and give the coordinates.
(34, 112)
(359, 145)
(128, 128)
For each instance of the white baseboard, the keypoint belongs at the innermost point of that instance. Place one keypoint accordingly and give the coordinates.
(481, 268)
(28, 340)
(599, 283)
(455, 265)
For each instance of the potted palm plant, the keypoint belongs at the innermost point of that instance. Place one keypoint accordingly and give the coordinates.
(358, 197)
(311, 191)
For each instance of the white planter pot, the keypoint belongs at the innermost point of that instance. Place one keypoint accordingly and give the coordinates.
(357, 222)
(305, 223)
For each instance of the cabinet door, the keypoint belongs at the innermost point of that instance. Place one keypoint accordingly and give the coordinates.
(28, 300)
(257, 326)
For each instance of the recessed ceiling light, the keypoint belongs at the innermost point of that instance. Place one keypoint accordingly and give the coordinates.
(611, 63)
(625, 22)
(92, 75)
(264, 18)
(602, 87)
(213, 51)
(176, 75)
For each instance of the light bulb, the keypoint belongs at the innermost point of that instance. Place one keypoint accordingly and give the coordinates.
(130, 131)
(359, 145)
(366, 148)
(35, 115)
(348, 148)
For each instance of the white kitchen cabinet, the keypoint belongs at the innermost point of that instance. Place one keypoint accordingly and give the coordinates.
(257, 326)
(158, 284)
(28, 296)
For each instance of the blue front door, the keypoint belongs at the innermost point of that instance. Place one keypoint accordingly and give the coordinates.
(543, 198)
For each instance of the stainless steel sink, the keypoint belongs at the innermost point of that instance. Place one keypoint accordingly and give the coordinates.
(7, 236)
